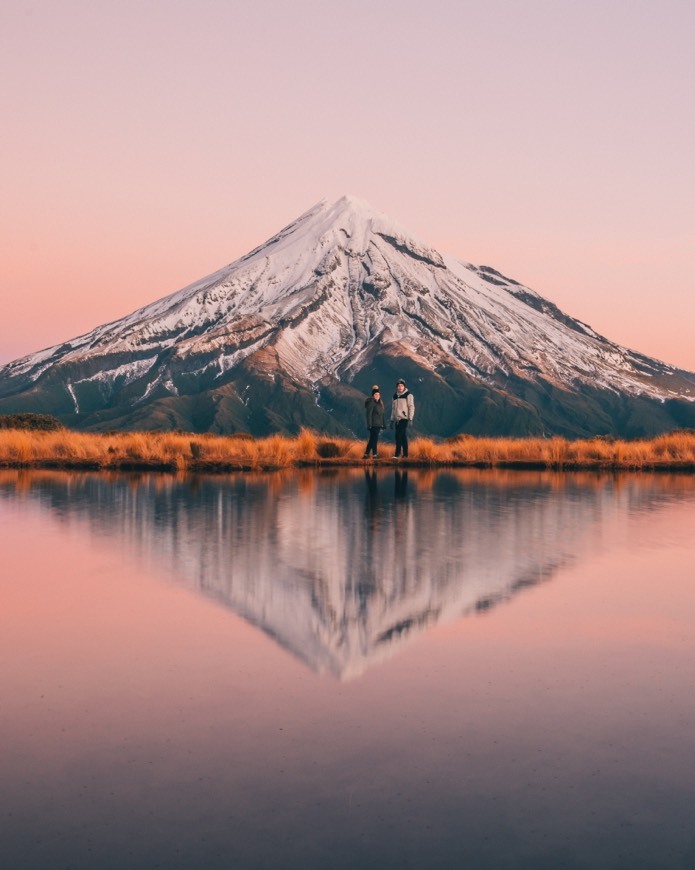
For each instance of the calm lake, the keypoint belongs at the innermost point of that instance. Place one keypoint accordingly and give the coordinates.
(347, 670)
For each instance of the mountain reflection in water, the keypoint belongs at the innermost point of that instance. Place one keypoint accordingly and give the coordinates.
(340, 568)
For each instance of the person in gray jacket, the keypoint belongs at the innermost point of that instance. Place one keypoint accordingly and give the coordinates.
(376, 421)
(402, 413)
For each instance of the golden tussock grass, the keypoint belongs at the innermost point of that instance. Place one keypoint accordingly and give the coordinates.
(177, 451)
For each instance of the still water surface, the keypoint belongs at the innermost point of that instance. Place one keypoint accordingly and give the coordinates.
(347, 670)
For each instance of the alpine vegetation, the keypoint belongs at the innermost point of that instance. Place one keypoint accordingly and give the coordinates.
(294, 334)
(208, 453)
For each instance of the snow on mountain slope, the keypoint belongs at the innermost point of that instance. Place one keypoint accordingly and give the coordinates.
(319, 297)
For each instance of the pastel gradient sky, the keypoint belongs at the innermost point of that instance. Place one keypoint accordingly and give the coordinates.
(146, 144)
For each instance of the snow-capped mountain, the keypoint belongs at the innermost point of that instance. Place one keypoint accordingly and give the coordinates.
(294, 332)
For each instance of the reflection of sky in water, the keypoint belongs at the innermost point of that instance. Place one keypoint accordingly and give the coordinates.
(342, 568)
(142, 725)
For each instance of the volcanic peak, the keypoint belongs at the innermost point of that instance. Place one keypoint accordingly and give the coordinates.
(340, 298)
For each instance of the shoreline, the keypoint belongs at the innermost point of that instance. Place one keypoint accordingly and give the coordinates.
(66, 450)
(205, 469)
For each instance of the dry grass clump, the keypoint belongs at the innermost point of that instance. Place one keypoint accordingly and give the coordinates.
(305, 445)
(19, 446)
(328, 450)
(186, 452)
(675, 445)
(673, 450)
(425, 450)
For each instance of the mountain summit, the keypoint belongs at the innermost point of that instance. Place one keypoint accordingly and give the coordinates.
(296, 331)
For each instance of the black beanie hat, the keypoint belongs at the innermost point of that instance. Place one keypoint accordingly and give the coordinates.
(375, 389)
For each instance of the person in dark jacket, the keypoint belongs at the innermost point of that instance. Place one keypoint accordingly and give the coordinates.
(402, 413)
(376, 421)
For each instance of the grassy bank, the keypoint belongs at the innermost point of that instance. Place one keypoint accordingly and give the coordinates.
(186, 452)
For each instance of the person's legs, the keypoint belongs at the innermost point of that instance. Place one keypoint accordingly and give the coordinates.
(377, 432)
(404, 437)
(373, 441)
(401, 438)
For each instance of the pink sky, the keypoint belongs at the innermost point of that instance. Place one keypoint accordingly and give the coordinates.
(145, 145)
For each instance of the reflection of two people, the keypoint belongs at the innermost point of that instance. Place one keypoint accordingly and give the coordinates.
(401, 487)
(394, 525)
(373, 501)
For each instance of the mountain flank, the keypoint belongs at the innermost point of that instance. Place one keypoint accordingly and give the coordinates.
(295, 333)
